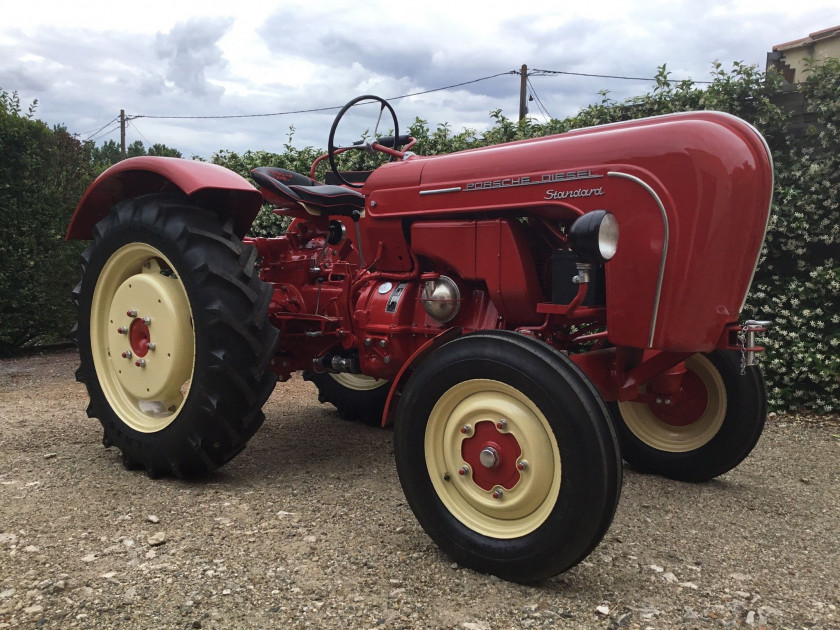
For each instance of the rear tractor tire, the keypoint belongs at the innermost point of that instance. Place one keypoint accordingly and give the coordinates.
(711, 426)
(356, 396)
(173, 336)
(506, 455)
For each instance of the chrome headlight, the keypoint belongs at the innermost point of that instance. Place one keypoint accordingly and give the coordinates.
(594, 236)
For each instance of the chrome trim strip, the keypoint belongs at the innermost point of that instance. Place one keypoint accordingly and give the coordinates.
(440, 191)
(659, 203)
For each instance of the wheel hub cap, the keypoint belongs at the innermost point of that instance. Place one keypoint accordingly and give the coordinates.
(494, 491)
(492, 455)
(162, 315)
(489, 457)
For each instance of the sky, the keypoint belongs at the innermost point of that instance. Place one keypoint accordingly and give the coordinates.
(84, 62)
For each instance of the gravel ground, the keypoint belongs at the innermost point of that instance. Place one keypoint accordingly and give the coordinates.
(308, 528)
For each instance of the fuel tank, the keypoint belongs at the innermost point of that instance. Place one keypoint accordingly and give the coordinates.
(691, 193)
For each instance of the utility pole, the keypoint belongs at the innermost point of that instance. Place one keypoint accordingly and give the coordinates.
(523, 88)
(122, 133)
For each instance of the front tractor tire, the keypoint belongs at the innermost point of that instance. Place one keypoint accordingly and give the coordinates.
(713, 423)
(173, 334)
(506, 455)
(356, 396)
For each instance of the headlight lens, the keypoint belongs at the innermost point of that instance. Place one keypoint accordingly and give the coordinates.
(608, 236)
(594, 236)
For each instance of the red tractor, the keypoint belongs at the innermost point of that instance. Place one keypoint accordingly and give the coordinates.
(526, 315)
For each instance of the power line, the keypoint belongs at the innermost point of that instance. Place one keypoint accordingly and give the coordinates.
(101, 128)
(99, 135)
(528, 74)
(538, 72)
(449, 87)
(321, 109)
(137, 129)
(539, 101)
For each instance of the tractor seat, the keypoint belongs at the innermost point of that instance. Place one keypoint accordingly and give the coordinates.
(289, 190)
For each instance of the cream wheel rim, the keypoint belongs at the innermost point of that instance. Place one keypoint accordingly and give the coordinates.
(358, 382)
(663, 436)
(526, 445)
(142, 337)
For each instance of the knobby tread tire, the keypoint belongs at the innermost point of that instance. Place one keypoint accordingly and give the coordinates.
(364, 406)
(234, 340)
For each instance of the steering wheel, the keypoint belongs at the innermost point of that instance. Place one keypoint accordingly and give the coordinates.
(332, 150)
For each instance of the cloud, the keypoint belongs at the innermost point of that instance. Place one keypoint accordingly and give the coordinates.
(190, 48)
(302, 55)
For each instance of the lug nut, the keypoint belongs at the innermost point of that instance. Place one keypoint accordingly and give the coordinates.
(131, 312)
(126, 354)
(368, 341)
(140, 363)
(382, 343)
(498, 493)
(464, 470)
(466, 429)
(501, 425)
(147, 320)
(122, 330)
(523, 465)
(151, 345)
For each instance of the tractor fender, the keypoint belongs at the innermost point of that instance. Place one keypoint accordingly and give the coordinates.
(408, 367)
(212, 186)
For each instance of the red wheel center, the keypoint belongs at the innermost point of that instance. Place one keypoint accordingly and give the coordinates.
(139, 337)
(506, 450)
(687, 406)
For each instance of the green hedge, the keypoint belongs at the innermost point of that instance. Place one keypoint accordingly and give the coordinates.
(43, 173)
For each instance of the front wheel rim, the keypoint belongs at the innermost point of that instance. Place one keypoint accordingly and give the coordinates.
(506, 484)
(643, 422)
(142, 337)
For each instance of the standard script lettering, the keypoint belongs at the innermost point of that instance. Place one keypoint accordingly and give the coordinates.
(571, 194)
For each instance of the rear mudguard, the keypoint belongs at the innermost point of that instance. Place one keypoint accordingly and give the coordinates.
(213, 186)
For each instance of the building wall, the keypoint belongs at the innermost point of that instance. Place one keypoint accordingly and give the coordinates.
(789, 59)
(818, 51)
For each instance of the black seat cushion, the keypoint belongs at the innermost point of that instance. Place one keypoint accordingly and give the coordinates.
(334, 199)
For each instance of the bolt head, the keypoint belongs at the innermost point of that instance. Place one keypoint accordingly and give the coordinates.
(131, 312)
(498, 493)
(466, 429)
(382, 343)
(523, 465)
(147, 320)
(501, 425)
(368, 341)
(464, 470)
(489, 457)
(151, 345)
(140, 363)
(122, 330)
(126, 354)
